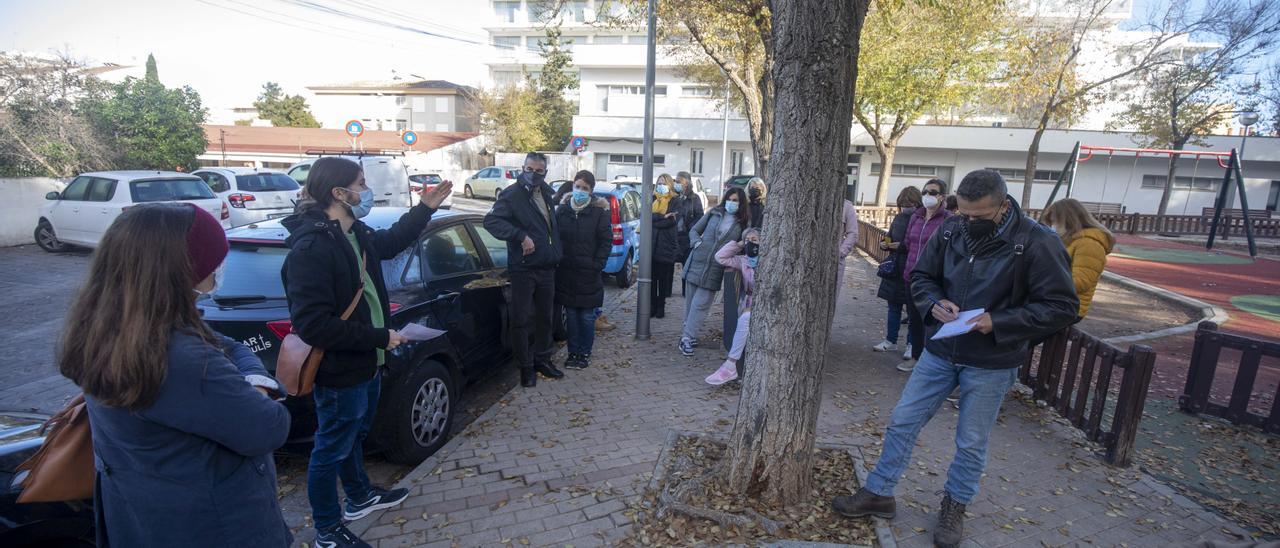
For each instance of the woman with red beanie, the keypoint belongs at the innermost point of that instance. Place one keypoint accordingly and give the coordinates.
(332, 257)
(184, 420)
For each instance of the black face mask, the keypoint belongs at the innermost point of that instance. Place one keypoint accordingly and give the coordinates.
(530, 179)
(753, 249)
(755, 194)
(981, 228)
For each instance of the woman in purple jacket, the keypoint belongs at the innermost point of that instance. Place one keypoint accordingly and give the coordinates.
(924, 222)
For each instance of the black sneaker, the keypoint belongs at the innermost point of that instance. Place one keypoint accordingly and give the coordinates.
(865, 503)
(548, 370)
(378, 499)
(576, 361)
(339, 537)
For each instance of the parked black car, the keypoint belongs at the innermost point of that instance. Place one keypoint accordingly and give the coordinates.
(42, 524)
(454, 279)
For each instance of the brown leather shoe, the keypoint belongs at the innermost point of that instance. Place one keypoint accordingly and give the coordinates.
(950, 529)
(865, 503)
(602, 324)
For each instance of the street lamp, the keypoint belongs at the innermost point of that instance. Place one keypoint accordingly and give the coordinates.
(1246, 119)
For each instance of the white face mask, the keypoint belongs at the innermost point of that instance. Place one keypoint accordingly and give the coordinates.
(218, 275)
(931, 201)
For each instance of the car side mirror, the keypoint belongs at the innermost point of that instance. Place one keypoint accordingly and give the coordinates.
(53, 196)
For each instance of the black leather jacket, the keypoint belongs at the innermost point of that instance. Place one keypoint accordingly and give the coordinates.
(984, 278)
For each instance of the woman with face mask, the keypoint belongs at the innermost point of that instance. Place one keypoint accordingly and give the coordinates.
(924, 222)
(1088, 244)
(332, 256)
(587, 238)
(743, 257)
(184, 420)
(666, 244)
(757, 192)
(893, 289)
(723, 224)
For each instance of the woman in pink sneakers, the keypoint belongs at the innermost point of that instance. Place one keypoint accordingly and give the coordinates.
(741, 256)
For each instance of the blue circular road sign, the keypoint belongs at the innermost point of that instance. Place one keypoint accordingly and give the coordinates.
(355, 128)
(579, 142)
(409, 138)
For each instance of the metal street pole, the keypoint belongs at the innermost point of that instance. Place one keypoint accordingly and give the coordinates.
(1246, 119)
(646, 188)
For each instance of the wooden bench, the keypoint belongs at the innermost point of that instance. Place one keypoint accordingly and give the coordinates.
(1099, 208)
(1238, 213)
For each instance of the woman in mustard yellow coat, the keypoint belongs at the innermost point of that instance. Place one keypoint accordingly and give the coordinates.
(1087, 241)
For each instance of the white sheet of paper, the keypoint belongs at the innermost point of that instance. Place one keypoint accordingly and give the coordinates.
(416, 332)
(958, 326)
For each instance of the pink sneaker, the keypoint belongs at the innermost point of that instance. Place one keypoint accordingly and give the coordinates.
(727, 372)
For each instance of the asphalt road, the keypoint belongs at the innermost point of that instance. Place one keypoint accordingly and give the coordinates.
(37, 287)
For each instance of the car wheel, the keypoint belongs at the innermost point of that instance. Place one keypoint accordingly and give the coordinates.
(423, 411)
(466, 191)
(623, 277)
(47, 240)
(497, 193)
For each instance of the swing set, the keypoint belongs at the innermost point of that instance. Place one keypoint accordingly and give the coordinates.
(1227, 161)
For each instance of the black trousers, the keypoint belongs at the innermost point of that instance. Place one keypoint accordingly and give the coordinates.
(532, 295)
(915, 330)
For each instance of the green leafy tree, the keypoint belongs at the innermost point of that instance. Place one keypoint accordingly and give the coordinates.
(44, 129)
(154, 127)
(1200, 86)
(512, 118)
(153, 74)
(555, 80)
(283, 110)
(928, 58)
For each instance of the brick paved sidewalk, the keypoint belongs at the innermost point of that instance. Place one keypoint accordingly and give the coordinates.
(559, 464)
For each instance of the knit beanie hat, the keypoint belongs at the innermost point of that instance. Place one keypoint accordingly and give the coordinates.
(206, 244)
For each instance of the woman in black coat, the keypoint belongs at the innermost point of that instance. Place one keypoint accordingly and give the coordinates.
(894, 289)
(666, 242)
(587, 239)
(688, 211)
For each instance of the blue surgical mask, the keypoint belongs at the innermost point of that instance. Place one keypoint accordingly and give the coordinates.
(679, 188)
(661, 189)
(364, 206)
(580, 197)
(731, 207)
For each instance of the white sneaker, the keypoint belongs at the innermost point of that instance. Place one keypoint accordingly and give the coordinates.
(907, 366)
(907, 355)
(884, 346)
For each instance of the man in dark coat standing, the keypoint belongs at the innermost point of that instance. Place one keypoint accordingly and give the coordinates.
(523, 217)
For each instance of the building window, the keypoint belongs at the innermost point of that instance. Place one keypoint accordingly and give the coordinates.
(442, 127)
(442, 104)
(636, 159)
(402, 125)
(695, 91)
(506, 11)
(537, 12)
(420, 104)
(637, 39)
(736, 158)
(695, 160)
(1201, 184)
(567, 42)
(619, 91)
(609, 40)
(1043, 176)
(915, 170)
(401, 100)
(506, 42)
(577, 11)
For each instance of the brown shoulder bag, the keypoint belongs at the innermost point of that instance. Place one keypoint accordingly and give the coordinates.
(298, 362)
(62, 469)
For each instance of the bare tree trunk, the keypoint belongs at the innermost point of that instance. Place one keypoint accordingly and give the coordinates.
(1033, 154)
(771, 450)
(886, 171)
(1168, 182)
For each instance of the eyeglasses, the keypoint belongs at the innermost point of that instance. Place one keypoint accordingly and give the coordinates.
(538, 171)
(933, 192)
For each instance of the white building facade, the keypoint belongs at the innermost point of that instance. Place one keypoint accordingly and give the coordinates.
(694, 133)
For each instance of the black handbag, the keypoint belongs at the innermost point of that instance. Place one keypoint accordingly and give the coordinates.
(888, 268)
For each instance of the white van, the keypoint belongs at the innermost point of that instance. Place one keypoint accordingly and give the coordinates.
(386, 176)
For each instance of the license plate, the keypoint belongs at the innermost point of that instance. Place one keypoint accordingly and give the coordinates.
(276, 215)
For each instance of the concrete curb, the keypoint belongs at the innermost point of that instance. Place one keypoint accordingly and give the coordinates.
(1208, 312)
(442, 455)
(884, 533)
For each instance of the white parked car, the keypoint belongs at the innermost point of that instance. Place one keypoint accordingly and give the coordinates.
(490, 181)
(82, 211)
(254, 195)
(385, 175)
(425, 182)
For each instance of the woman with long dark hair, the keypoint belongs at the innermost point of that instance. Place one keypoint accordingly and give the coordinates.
(183, 420)
(893, 289)
(723, 224)
(332, 255)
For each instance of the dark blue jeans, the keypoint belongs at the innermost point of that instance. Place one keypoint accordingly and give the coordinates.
(344, 417)
(581, 325)
(895, 322)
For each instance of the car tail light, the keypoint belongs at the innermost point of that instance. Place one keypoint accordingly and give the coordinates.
(226, 213)
(395, 307)
(238, 200)
(280, 328)
(615, 219)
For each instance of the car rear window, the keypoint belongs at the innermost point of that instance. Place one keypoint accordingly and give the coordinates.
(253, 270)
(163, 190)
(266, 182)
(426, 179)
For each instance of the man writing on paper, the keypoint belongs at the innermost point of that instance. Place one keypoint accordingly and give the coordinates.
(988, 257)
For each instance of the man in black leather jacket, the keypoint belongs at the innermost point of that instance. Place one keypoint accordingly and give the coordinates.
(989, 257)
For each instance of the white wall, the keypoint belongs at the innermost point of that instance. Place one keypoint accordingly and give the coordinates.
(333, 111)
(673, 105)
(21, 208)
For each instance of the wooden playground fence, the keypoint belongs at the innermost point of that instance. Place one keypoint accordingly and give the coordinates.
(1205, 356)
(1130, 223)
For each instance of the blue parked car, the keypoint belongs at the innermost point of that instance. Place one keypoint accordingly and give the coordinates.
(624, 216)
